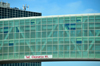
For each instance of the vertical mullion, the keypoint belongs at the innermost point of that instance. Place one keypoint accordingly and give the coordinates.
(88, 36)
(95, 36)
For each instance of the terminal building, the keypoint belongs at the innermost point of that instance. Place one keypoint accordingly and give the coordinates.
(29, 40)
(7, 12)
(49, 38)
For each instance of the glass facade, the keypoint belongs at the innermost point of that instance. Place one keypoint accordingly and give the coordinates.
(23, 64)
(66, 36)
(15, 12)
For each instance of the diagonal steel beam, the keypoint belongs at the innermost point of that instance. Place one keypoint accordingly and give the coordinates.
(15, 42)
(69, 34)
(90, 45)
(6, 36)
(48, 36)
(91, 42)
(24, 37)
(8, 33)
(98, 33)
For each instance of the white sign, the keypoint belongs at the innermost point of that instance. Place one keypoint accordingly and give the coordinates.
(37, 56)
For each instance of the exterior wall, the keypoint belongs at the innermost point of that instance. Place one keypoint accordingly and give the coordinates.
(69, 36)
(23, 64)
(13, 13)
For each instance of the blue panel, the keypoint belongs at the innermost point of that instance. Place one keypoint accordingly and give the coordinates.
(78, 20)
(72, 28)
(78, 42)
(72, 24)
(5, 29)
(67, 26)
(10, 44)
(32, 23)
(17, 29)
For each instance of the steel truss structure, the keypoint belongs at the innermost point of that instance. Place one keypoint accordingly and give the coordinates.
(66, 36)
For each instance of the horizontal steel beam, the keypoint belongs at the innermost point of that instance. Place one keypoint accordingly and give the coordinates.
(47, 60)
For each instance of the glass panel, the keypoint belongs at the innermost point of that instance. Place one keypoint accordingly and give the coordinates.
(79, 54)
(97, 18)
(78, 19)
(61, 33)
(61, 20)
(55, 54)
(97, 47)
(66, 54)
(97, 25)
(73, 19)
(91, 32)
(85, 32)
(66, 41)
(1, 24)
(85, 25)
(79, 26)
(5, 56)
(1, 36)
(16, 22)
(49, 27)
(85, 54)
(33, 28)
(55, 41)
(2, 30)
(49, 47)
(66, 47)
(97, 32)
(61, 27)
(38, 21)
(55, 47)
(55, 33)
(49, 20)
(91, 54)
(73, 54)
(91, 25)
(38, 27)
(44, 20)
(72, 33)
(79, 32)
(97, 54)
(91, 18)
(33, 22)
(97, 40)
(85, 18)
(44, 34)
(21, 22)
(85, 40)
(55, 20)
(27, 22)
(6, 24)
(11, 23)
(67, 20)
(10, 55)
(44, 27)
(61, 54)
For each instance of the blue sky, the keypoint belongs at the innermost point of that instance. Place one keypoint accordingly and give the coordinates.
(72, 63)
(61, 7)
(58, 7)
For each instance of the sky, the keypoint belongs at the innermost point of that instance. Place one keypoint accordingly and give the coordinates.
(61, 7)
(58, 7)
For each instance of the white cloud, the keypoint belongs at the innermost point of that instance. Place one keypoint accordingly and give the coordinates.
(90, 11)
(73, 7)
(54, 8)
